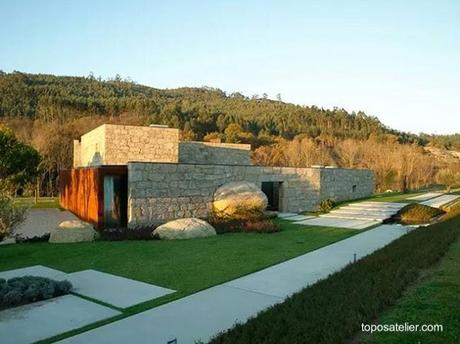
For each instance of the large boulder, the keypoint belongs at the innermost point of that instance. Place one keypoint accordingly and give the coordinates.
(184, 229)
(238, 199)
(73, 231)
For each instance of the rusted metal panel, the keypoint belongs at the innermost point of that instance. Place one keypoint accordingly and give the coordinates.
(81, 191)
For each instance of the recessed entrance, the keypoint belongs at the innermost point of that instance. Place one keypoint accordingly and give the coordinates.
(115, 201)
(272, 191)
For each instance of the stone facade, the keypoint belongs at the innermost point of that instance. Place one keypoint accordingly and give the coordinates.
(342, 184)
(76, 153)
(161, 192)
(214, 153)
(169, 179)
(92, 148)
(118, 144)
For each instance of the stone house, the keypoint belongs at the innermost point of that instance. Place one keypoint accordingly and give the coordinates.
(141, 176)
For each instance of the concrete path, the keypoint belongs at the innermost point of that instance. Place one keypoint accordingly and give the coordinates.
(425, 196)
(39, 222)
(115, 290)
(44, 319)
(359, 215)
(202, 315)
(440, 201)
(36, 270)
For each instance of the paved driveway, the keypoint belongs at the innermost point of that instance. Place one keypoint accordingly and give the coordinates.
(42, 221)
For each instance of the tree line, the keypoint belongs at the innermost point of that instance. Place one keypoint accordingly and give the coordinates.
(48, 112)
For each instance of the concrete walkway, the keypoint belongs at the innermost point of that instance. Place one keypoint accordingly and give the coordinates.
(204, 314)
(440, 201)
(425, 196)
(359, 215)
(39, 222)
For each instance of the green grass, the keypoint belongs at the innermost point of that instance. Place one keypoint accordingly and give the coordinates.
(435, 300)
(333, 309)
(43, 202)
(185, 265)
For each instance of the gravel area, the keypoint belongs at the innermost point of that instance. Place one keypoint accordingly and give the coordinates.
(42, 221)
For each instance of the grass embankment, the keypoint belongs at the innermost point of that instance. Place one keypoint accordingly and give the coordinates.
(41, 202)
(435, 300)
(186, 266)
(332, 310)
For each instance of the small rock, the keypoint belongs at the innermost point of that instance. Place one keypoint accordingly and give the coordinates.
(8, 241)
(73, 231)
(184, 229)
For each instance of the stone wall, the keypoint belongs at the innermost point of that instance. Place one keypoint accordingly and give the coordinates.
(346, 184)
(92, 148)
(214, 153)
(161, 192)
(130, 143)
(118, 144)
(76, 153)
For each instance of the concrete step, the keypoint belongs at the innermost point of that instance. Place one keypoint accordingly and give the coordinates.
(355, 217)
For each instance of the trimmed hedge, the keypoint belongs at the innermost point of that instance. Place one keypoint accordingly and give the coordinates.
(123, 233)
(418, 213)
(21, 290)
(332, 310)
(246, 226)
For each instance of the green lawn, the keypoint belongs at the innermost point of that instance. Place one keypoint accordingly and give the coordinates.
(435, 300)
(43, 202)
(185, 265)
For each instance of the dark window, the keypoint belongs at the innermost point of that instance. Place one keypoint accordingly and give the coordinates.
(115, 201)
(353, 188)
(272, 191)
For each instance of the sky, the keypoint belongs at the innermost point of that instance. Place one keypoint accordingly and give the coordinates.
(397, 60)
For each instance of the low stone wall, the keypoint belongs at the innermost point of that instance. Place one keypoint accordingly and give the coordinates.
(214, 153)
(159, 192)
(346, 184)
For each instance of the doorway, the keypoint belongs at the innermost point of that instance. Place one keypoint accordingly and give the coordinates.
(272, 191)
(115, 200)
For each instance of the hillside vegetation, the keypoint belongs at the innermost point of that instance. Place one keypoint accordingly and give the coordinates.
(50, 111)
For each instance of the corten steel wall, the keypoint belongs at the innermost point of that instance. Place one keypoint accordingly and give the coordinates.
(81, 191)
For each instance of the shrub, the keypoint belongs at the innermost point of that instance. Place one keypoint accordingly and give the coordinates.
(327, 205)
(119, 234)
(21, 290)
(332, 310)
(418, 213)
(10, 216)
(448, 178)
(38, 238)
(250, 226)
(241, 213)
(452, 210)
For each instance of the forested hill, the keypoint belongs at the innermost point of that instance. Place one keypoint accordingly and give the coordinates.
(49, 112)
(198, 111)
